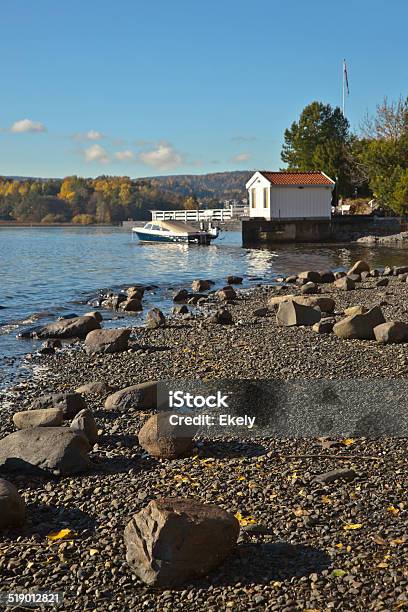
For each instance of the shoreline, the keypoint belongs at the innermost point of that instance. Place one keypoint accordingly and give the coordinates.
(286, 559)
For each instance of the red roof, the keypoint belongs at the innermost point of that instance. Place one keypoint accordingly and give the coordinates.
(297, 178)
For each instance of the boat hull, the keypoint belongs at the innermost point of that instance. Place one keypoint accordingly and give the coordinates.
(203, 239)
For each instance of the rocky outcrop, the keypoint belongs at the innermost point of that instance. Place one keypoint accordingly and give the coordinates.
(292, 313)
(57, 450)
(84, 423)
(69, 403)
(391, 332)
(163, 440)
(44, 417)
(142, 396)
(78, 327)
(359, 326)
(107, 341)
(174, 540)
(12, 506)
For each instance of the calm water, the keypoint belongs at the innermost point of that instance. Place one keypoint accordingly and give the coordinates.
(54, 271)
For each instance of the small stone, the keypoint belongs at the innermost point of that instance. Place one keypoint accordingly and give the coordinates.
(163, 440)
(221, 316)
(12, 506)
(309, 275)
(181, 296)
(325, 326)
(201, 285)
(180, 309)
(234, 280)
(95, 314)
(333, 475)
(155, 318)
(358, 267)
(309, 288)
(345, 283)
(353, 310)
(94, 388)
(107, 341)
(69, 403)
(383, 282)
(85, 423)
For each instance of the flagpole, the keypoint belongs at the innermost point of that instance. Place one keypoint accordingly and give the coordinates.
(344, 89)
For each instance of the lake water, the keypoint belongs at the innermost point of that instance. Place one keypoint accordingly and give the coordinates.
(56, 270)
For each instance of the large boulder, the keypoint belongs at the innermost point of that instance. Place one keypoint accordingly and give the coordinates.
(155, 318)
(275, 300)
(173, 540)
(57, 450)
(12, 506)
(200, 285)
(345, 283)
(163, 440)
(310, 276)
(84, 423)
(142, 397)
(391, 332)
(292, 313)
(78, 327)
(107, 341)
(326, 304)
(69, 403)
(359, 326)
(359, 267)
(43, 417)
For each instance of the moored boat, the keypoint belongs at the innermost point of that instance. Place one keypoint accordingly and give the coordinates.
(174, 231)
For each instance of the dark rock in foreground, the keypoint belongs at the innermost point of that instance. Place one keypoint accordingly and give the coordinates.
(292, 313)
(142, 396)
(12, 505)
(69, 403)
(391, 332)
(174, 540)
(57, 450)
(359, 326)
(78, 327)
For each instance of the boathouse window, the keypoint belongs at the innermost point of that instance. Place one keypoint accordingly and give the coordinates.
(266, 197)
(253, 198)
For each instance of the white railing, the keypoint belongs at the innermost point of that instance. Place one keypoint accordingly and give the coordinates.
(210, 214)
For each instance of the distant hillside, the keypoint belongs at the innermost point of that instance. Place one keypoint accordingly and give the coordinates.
(215, 186)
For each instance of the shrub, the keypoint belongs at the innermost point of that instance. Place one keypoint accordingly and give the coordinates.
(83, 219)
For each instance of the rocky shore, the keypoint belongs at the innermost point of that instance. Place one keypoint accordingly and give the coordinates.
(323, 523)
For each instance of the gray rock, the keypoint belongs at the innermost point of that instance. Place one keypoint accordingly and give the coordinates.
(227, 293)
(292, 313)
(309, 288)
(57, 450)
(359, 326)
(69, 403)
(135, 292)
(391, 332)
(340, 474)
(131, 305)
(163, 440)
(174, 540)
(43, 417)
(155, 318)
(181, 296)
(326, 304)
(234, 280)
(200, 285)
(358, 267)
(107, 341)
(222, 316)
(345, 283)
(84, 423)
(12, 506)
(94, 388)
(142, 396)
(309, 275)
(180, 309)
(77, 327)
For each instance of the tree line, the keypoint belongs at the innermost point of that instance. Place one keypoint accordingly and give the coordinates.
(372, 163)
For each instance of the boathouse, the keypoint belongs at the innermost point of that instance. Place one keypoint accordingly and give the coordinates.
(290, 195)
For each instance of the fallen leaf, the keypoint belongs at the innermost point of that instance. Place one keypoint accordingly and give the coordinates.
(351, 526)
(397, 541)
(245, 520)
(382, 564)
(379, 540)
(337, 573)
(348, 441)
(60, 535)
(326, 499)
(393, 510)
(339, 545)
(93, 551)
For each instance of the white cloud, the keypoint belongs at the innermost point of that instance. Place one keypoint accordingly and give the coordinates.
(163, 156)
(26, 125)
(89, 135)
(96, 153)
(243, 139)
(241, 157)
(124, 155)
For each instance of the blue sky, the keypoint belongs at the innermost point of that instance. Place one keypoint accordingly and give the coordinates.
(157, 87)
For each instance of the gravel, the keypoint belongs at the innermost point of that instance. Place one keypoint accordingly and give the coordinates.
(304, 544)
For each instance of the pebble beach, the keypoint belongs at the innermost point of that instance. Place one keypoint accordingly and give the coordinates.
(304, 544)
